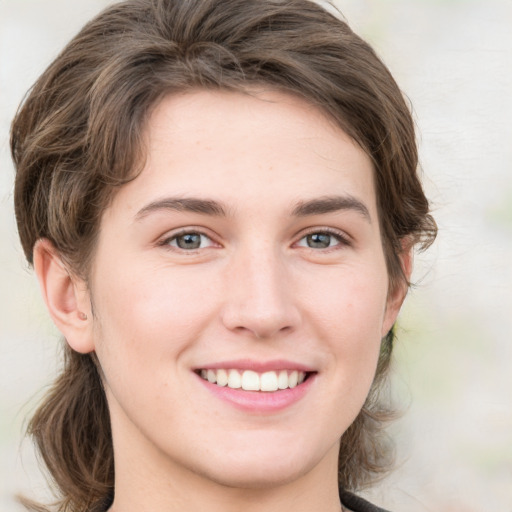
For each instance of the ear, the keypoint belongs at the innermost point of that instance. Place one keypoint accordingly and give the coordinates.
(66, 297)
(398, 291)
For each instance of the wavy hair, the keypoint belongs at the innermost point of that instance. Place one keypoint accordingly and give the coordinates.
(78, 137)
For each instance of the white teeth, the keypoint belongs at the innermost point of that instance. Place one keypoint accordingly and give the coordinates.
(268, 381)
(250, 381)
(282, 380)
(253, 381)
(222, 377)
(234, 379)
(293, 378)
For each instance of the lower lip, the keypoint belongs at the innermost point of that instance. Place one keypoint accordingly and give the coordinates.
(260, 401)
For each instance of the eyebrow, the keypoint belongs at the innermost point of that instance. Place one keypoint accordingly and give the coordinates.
(318, 206)
(187, 204)
(331, 204)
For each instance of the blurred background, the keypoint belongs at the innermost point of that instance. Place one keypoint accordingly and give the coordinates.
(452, 373)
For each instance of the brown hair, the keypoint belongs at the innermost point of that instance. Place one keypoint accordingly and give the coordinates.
(78, 137)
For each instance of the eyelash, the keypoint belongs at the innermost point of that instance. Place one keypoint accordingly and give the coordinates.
(342, 239)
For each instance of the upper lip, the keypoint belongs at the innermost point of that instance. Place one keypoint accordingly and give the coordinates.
(257, 366)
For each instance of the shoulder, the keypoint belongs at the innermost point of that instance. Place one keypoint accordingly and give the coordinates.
(356, 504)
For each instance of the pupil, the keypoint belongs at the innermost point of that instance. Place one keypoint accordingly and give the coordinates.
(319, 240)
(189, 241)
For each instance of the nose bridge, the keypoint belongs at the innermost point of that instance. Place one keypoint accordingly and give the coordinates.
(259, 298)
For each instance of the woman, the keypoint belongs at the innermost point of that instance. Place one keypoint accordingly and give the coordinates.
(220, 201)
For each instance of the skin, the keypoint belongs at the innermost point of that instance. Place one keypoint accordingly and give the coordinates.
(254, 289)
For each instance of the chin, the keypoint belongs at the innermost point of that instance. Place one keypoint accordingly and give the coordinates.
(258, 469)
(250, 476)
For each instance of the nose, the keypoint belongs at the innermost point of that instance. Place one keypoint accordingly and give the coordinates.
(260, 299)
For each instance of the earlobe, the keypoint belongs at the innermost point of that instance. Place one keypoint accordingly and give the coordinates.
(65, 295)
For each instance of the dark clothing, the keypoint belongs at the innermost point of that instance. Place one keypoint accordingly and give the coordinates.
(104, 504)
(356, 504)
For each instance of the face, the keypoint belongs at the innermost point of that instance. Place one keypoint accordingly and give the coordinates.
(240, 291)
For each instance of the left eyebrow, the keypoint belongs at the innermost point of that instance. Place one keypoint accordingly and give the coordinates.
(181, 204)
(331, 204)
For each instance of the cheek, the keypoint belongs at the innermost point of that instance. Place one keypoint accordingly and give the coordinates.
(352, 304)
(147, 322)
(349, 316)
(149, 316)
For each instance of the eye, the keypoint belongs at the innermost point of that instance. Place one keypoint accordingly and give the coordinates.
(322, 240)
(188, 241)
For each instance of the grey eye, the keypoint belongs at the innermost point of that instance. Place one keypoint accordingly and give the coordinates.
(318, 240)
(190, 241)
(321, 240)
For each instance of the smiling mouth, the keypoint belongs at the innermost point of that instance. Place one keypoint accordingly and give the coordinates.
(249, 380)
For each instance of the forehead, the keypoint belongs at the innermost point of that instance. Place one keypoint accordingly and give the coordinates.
(262, 112)
(261, 146)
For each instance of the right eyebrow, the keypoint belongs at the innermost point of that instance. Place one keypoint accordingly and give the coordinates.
(331, 204)
(182, 204)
